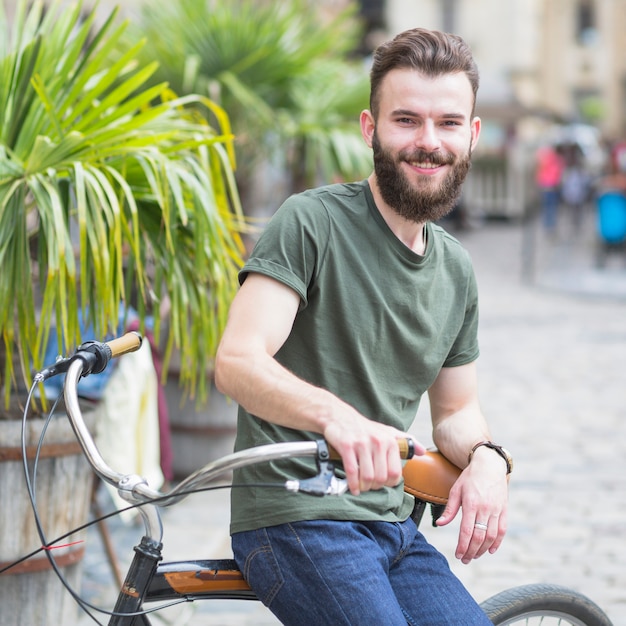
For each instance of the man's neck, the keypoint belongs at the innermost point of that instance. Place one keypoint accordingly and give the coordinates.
(411, 234)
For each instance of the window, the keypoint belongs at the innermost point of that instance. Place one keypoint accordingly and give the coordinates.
(448, 15)
(586, 32)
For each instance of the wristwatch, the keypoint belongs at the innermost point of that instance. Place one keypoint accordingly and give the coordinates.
(503, 452)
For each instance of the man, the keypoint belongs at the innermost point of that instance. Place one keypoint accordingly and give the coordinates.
(352, 306)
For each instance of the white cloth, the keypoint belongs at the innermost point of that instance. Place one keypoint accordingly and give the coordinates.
(127, 422)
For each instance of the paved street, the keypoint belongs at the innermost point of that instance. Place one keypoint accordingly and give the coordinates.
(552, 381)
(552, 384)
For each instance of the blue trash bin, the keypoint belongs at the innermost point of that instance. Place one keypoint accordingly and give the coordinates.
(612, 217)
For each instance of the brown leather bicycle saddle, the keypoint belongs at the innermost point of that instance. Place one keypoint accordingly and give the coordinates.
(430, 477)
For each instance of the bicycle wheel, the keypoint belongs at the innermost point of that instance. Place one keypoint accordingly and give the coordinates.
(543, 605)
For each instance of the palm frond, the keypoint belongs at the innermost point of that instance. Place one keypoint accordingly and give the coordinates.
(110, 186)
(252, 57)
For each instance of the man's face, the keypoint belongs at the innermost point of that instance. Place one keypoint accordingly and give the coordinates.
(422, 141)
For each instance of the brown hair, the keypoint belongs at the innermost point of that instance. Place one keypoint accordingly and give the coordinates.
(430, 52)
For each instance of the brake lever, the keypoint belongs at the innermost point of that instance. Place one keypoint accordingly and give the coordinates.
(325, 483)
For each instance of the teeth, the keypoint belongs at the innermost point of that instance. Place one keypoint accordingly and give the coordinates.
(428, 166)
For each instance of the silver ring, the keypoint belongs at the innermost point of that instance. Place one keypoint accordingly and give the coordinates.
(481, 525)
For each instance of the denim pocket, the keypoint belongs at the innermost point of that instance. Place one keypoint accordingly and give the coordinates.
(260, 568)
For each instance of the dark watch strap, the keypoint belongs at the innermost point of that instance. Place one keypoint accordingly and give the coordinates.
(496, 448)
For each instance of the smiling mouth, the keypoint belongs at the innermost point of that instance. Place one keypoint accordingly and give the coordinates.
(428, 160)
(424, 165)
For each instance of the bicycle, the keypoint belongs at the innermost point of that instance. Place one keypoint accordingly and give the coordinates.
(428, 478)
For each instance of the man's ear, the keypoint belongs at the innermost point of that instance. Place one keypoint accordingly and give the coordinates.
(476, 125)
(367, 126)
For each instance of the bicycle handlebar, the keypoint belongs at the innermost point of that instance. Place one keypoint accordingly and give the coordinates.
(93, 357)
(406, 449)
(94, 354)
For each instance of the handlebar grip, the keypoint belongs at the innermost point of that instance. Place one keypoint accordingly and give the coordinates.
(126, 343)
(96, 355)
(406, 448)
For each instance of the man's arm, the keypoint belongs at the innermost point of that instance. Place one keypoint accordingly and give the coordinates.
(260, 320)
(482, 488)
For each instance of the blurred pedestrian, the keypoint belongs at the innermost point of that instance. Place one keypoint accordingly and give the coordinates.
(575, 184)
(549, 176)
(615, 178)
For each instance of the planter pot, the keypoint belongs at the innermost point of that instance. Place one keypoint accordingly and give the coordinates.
(31, 593)
(199, 434)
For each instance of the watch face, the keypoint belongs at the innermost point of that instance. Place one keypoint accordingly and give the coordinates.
(509, 459)
(506, 455)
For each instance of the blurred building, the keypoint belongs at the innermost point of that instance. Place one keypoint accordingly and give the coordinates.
(558, 60)
(551, 70)
(540, 60)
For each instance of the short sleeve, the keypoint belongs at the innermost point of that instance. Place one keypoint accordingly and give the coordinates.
(292, 245)
(465, 348)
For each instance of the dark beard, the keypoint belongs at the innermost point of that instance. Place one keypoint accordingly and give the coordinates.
(426, 204)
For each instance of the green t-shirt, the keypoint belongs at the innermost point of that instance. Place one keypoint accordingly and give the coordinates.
(376, 324)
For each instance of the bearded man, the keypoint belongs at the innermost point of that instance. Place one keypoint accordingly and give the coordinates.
(352, 306)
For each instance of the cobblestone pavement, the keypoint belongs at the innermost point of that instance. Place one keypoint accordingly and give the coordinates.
(552, 382)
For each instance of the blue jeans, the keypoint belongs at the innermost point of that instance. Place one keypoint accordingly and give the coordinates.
(550, 199)
(353, 573)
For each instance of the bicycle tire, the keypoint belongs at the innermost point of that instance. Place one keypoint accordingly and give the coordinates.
(530, 605)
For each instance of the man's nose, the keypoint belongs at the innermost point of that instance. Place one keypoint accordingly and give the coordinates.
(426, 137)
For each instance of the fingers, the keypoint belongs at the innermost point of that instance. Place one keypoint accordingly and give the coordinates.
(369, 451)
(351, 468)
(372, 464)
(374, 468)
(452, 508)
(479, 534)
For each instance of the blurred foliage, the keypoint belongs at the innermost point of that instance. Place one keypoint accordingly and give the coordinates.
(282, 72)
(109, 186)
(593, 109)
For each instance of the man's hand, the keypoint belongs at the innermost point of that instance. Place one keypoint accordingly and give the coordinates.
(481, 492)
(369, 452)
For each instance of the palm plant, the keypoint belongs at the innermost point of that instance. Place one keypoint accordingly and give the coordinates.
(281, 71)
(110, 185)
(320, 131)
